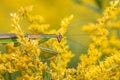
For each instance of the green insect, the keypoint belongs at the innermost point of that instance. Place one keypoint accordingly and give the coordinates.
(7, 38)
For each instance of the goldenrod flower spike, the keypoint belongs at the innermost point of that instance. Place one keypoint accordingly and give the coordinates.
(99, 63)
(59, 64)
(64, 24)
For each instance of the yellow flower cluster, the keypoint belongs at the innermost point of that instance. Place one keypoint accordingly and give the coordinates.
(37, 22)
(101, 61)
(22, 60)
(59, 64)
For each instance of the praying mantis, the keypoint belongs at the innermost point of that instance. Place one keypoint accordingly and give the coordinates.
(7, 38)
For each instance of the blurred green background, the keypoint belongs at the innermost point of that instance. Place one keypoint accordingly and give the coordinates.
(54, 11)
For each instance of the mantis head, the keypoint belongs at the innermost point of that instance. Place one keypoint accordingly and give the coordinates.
(59, 37)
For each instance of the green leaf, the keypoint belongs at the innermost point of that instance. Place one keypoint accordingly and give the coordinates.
(12, 76)
(15, 75)
(7, 76)
(46, 76)
(99, 3)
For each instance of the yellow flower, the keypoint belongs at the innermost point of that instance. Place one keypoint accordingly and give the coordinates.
(102, 56)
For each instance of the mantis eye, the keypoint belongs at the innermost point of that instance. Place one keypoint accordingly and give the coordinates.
(59, 37)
